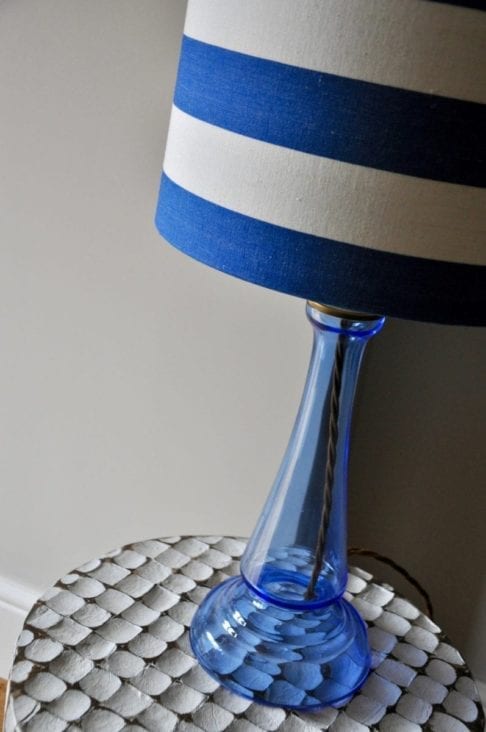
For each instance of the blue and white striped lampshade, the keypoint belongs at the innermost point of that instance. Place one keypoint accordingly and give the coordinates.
(334, 150)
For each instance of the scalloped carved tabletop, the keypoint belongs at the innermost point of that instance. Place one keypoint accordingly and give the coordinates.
(107, 649)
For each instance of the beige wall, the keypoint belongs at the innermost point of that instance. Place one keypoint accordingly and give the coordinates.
(143, 394)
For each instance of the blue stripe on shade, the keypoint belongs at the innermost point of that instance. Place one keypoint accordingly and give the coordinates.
(320, 269)
(473, 4)
(354, 121)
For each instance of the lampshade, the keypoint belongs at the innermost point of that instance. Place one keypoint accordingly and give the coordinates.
(335, 151)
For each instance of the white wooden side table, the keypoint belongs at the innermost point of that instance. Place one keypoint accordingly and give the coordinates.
(107, 648)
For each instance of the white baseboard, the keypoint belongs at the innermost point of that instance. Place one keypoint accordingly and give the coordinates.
(16, 595)
(16, 599)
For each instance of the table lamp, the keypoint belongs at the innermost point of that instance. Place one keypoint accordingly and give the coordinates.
(333, 151)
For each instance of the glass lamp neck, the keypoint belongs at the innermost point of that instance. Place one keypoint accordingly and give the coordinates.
(297, 554)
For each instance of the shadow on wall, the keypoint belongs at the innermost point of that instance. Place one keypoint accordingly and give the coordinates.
(418, 470)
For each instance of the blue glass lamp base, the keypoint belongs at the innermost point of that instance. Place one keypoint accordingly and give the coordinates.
(278, 655)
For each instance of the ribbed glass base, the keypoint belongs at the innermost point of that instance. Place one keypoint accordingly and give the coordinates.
(301, 659)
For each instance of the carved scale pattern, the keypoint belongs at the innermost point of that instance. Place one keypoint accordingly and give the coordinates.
(107, 648)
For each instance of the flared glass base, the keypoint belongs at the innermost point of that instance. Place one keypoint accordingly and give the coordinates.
(302, 659)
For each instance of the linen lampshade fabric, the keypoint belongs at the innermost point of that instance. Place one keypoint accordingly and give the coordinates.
(335, 151)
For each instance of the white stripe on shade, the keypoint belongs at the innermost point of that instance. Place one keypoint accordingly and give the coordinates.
(327, 198)
(429, 47)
